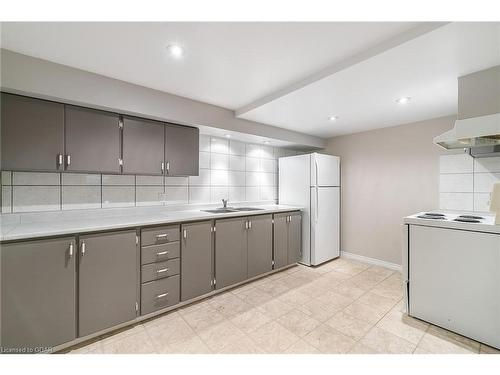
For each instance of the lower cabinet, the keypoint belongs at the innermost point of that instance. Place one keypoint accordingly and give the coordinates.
(108, 280)
(38, 297)
(287, 238)
(260, 244)
(197, 259)
(230, 251)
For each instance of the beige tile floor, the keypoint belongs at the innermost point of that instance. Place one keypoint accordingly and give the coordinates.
(340, 307)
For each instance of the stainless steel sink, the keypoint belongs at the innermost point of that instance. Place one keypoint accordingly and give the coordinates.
(247, 209)
(221, 210)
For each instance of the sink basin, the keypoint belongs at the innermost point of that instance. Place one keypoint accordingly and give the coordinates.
(247, 209)
(221, 210)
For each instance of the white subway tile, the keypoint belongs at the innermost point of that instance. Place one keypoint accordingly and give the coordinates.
(219, 161)
(6, 178)
(218, 178)
(456, 183)
(482, 202)
(252, 193)
(237, 163)
(149, 180)
(176, 181)
(483, 182)
(458, 163)
(236, 194)
(236, 178)
(81, 197)
(199, 194)
(267, 193)
(253, 151)
(149, 195)
(118, 196)
(6, 199)
(236, 148)
(456, 201)
(218, 193)
(36, 178)
(204, 143)
(252, 178)
(252, 164)
(36, 198)
(266, 179)
(268, 165)
(177, 194)
(267, 152)
(204, 159)
(487, 164)
(219, 145)
(81, 179)
(116, 179)
(202, 180)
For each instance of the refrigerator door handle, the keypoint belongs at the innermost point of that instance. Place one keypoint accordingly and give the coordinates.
(317, 192)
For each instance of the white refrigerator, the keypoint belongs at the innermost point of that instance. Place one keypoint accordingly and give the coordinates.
(312, 181)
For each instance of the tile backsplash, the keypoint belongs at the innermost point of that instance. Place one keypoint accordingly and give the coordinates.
(229, 169)
(465, 183)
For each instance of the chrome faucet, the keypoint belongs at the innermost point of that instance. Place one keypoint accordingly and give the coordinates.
(224, 203)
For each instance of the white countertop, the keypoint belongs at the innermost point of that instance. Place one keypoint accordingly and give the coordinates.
(35, 225)
(487, 225)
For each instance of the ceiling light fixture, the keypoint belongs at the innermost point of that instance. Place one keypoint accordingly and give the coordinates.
(175, 50)
(266, 142)
(333, 118)
(228, 136)
(403, 100)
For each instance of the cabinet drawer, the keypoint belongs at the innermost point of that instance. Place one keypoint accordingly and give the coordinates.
(160, 253)
(159, 294)
(160, 270)
(155, 236)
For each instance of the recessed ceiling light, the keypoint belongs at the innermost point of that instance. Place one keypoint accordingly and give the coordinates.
(175, 50)
(403, 100)
(333, 118)
(228, 136)
(267, 142)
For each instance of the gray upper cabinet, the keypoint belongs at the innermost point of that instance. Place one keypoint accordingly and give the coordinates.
(197, 259)
(182, 150)
(280, 240)
(295, 237)
(230, 251)
(32, 134)
(143, 146)
(38, 293)
(260, 244)
(108, 280)
(92, 140)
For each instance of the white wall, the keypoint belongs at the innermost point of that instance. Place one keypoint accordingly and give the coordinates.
(465, 183)
(240, 172)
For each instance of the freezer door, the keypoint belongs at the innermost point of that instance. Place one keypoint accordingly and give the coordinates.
(325, 170)
(325, 224)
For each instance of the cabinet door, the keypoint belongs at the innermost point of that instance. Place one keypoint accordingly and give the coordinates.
(280, 240)
(32, 133)
(182, 144)
(196, 259)
(294, 237)
(38, 293)
(260, 244)
(92, 140)
(230, 252)
(108, 280)
(143, 146)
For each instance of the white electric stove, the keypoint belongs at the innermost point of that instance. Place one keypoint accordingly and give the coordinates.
(451, 270)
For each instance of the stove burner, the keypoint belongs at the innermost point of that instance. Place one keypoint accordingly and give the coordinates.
(427, 216)
(433, 214)
(466, 220)
(471, 217)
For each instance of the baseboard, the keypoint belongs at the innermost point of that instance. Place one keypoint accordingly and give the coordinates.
(368, 260)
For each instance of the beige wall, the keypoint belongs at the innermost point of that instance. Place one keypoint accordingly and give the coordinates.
(386, 174)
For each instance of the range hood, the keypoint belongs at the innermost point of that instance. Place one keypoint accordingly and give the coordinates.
(478, 125)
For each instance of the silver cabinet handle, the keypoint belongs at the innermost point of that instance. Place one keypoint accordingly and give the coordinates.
(71, 250)
(162, 295)
(162, 167)
(161, 236)
(168, 166)
(162, 253)
(59, 160)
(184, 233)
(249, 225)
(83, 248)
(246, 224)
(162, 270)
(68, 160)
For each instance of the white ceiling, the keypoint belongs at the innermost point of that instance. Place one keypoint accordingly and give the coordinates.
(291, 75)
(226, 64)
